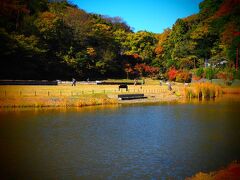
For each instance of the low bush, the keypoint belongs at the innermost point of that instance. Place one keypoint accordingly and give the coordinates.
(227, 75)
(171, 74)
(236, 74)
(199, 72)
(210, 73)
(183, 76)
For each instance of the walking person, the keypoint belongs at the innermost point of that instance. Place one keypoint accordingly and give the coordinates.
(169, 86)
(135, 82)
(74, 81)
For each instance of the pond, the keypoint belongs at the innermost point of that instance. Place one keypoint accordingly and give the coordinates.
(120, 142)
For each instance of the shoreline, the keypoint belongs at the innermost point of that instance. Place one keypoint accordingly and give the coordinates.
(92, 95)
(107, 100)
(77, 102)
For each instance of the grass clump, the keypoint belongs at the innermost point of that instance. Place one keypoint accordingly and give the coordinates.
(203, 90)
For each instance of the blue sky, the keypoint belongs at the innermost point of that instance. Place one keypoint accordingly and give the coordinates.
(150, 15)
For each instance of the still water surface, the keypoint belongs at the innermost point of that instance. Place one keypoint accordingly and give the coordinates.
(119, 142)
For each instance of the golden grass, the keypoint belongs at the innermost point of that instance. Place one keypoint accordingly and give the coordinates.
(65, 95)
(64, 101)
(68, 90)
(68, 96)
(203, 90)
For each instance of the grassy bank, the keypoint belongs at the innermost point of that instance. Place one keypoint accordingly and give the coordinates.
(54, 101)
(66, 95)
(55, 96)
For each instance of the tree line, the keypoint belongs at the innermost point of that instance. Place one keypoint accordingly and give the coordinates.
(43, 39)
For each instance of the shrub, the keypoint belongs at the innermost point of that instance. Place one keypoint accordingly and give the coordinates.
(196, 78)
(210, 73)
(183, 76)
(172, 73)
(236, 74)
(199, 72)
(222, 75)
(227, 75)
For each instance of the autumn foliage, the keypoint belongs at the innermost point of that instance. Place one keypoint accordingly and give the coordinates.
(172, 73)
(179, 75)
(227, 7)
(183, 76)
(146, 70)
(43, 39)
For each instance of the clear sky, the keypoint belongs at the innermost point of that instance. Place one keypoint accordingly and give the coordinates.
(150, 15)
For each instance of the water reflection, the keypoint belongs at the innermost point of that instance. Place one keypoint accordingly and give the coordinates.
(228, 98)
(125, 142)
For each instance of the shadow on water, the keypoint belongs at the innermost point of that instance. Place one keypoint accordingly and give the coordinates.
(169, 140)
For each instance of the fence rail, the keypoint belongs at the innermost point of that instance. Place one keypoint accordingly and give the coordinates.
(46, 93)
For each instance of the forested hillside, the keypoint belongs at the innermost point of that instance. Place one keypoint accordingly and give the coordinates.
(43, 39)
(209, 36)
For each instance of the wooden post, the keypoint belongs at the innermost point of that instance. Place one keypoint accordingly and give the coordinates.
(35, 93)
(48, 93)
(237, 59)
(237, 34)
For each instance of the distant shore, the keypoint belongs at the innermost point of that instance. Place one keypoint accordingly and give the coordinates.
(88, 95)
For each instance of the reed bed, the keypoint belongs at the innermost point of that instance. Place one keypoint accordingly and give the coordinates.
(203, 90)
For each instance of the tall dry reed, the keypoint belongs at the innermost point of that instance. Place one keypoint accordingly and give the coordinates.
(203, 90)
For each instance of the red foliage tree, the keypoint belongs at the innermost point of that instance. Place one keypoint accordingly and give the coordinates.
(146, 70)
(139, 68)
(151, 71)
(226, 7)
(172, 73)
(128, 69)
(13, 9)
